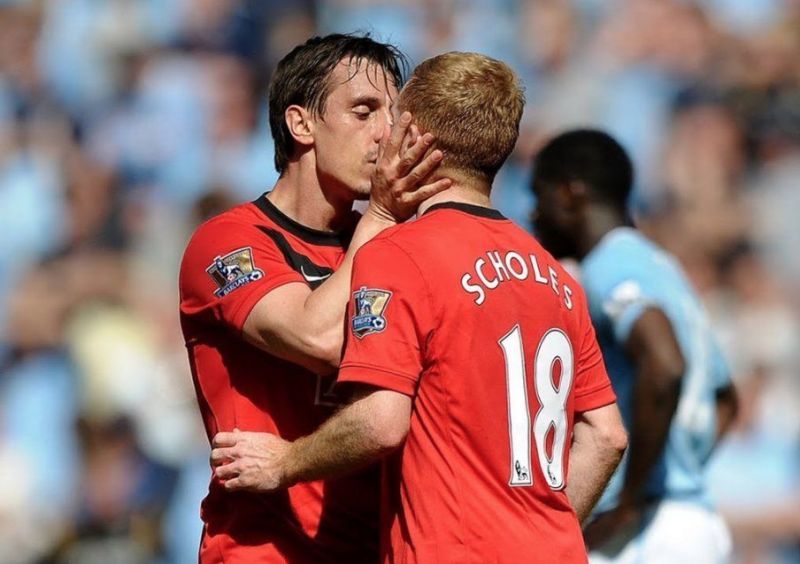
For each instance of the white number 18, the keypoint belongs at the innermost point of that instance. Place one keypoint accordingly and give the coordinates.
(552, 415)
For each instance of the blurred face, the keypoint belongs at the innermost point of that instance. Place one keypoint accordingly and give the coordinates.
(346, 138)
(553, 220)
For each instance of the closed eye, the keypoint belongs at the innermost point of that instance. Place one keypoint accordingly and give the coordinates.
(362, 111)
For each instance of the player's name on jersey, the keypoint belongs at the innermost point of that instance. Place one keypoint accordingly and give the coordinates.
(496, 268)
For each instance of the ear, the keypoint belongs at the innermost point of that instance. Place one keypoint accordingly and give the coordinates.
(575, 195)
(300, 124)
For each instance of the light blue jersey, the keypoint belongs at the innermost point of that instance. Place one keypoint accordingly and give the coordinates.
(624, 275)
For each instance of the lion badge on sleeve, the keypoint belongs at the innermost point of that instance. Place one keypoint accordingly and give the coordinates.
(233, 271)
(368, 315)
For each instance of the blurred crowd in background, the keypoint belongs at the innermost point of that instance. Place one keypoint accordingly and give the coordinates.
(125, 123)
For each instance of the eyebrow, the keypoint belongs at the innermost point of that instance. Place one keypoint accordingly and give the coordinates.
(367, 100)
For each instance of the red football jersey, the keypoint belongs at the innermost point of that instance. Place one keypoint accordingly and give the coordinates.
(231, 262)
(466, 313)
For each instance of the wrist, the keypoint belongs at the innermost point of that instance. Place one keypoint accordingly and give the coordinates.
(380, 215)
(291, 468)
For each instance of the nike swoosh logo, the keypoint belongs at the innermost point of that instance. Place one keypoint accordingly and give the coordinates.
(316, 273)
(311, 278)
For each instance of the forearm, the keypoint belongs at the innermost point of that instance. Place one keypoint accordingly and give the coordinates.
(346, 442)
(652, 416)
(372, 426)
(326, 306)
(659, 367)
(591, 464)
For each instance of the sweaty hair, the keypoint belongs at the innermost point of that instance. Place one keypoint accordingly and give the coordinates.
(589, 156)
(472, 104)
(303, 78)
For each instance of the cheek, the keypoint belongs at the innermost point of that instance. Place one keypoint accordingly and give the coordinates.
(346, 148)
(552, 224)
(343, 158)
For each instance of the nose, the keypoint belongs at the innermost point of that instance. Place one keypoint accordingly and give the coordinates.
(389, 116)
(383, 118)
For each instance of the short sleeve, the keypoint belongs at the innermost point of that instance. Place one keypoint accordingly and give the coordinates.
(592, 385)
(388, 319)
(227, 268)
(623, 305)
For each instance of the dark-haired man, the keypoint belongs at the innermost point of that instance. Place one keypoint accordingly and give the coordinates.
(674, 389)
(264, 288)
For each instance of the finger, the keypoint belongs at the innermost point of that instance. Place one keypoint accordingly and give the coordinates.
(227, 471)
(387, 131)
(413, 155)
(224, 440)
(411, 139)
(234, 484)
(427, 190)
(397, 136)
(414, 134)
(220, 456)
(424, 168)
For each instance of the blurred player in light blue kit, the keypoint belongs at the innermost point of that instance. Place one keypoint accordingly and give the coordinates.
(673, 386)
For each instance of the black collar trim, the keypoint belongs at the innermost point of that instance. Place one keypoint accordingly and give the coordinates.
(314, 236)
(480, 211)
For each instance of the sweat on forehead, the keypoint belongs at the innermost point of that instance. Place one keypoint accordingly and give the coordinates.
(352, 66)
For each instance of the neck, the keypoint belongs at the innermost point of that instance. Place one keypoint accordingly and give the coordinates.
(600, 220)
(465, 190)
(299, 194)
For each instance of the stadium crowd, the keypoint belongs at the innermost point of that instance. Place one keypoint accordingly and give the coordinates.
(125, 123)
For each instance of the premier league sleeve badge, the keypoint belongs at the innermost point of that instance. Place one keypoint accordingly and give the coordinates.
(368, 314)
(233, 271)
